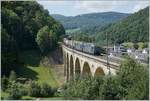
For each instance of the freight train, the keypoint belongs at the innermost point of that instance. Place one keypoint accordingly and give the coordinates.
(85, 47)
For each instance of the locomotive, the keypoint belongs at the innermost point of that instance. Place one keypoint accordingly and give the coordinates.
(85, 47)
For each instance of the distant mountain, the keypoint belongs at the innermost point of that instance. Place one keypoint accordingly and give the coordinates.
(85, 21)
(134, 28)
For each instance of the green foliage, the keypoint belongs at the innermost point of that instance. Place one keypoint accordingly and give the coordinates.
(4, 83)
(88, 22)
(136, 46)
(134, 29)
(21, 22)
(139, 45)
(46, 90)
(111, 89)
(4, 95)
(143, 45)
(43, 90)
(83, 37)
(12, 76)
(131, 82)
(134, 79)
(46, 39)
(8, 53)
(128, 44)
(14, 92)
(83, 88)
(34, 89)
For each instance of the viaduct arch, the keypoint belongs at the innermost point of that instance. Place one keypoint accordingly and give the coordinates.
(78, 63)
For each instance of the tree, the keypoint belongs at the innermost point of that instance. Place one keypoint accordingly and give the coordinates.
(110, 90)
(135, 45)
(9, 53)
(46, 39)
(145, 45)
(14, 92)
(4, 83)
(133, 78)
(21, 22)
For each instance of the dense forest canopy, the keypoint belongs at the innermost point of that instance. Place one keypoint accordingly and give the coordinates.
(22, 23)
(88, 21)
(134, 28)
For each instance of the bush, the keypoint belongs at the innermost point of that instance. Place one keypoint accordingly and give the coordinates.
(4, 83)
(14, 92)
(85, 87)
(46, 90)
(110, 89)
(34, 89)
(135, 45)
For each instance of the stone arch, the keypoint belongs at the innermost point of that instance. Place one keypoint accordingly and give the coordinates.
(67, 69)
(64, 60)
(77, 67)
(86, 69)
(99, 71)
(71, 67)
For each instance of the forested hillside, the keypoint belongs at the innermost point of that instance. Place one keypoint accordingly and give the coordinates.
(86, 21)
(26, 26)
(134, 28)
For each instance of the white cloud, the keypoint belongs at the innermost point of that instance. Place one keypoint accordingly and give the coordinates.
(93, 6)
(80, 7)
(103, 6)
(49, 3)
(140, 5)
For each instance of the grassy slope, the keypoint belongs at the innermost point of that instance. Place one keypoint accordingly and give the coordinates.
(44, 75)
(33, 70)
(58, 73)
(4, 94)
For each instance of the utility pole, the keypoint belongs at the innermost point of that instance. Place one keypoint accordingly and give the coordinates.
(108, 67)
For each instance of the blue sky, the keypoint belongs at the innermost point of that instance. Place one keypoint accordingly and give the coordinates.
(76, 7)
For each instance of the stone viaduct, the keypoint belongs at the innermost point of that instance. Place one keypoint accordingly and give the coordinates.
(79, 63)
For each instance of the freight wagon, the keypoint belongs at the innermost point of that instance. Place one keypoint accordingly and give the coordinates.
(85, 47)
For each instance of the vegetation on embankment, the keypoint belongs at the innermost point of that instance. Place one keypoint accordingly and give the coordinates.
(26, 25)
(35, 71)
(29, 34)
(130, 83)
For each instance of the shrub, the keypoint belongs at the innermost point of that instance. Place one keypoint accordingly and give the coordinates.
(14, 92)
(34, 89)
(135, 45)
(85, 87)
(4, 83)
(46, 90)
(110, 89)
